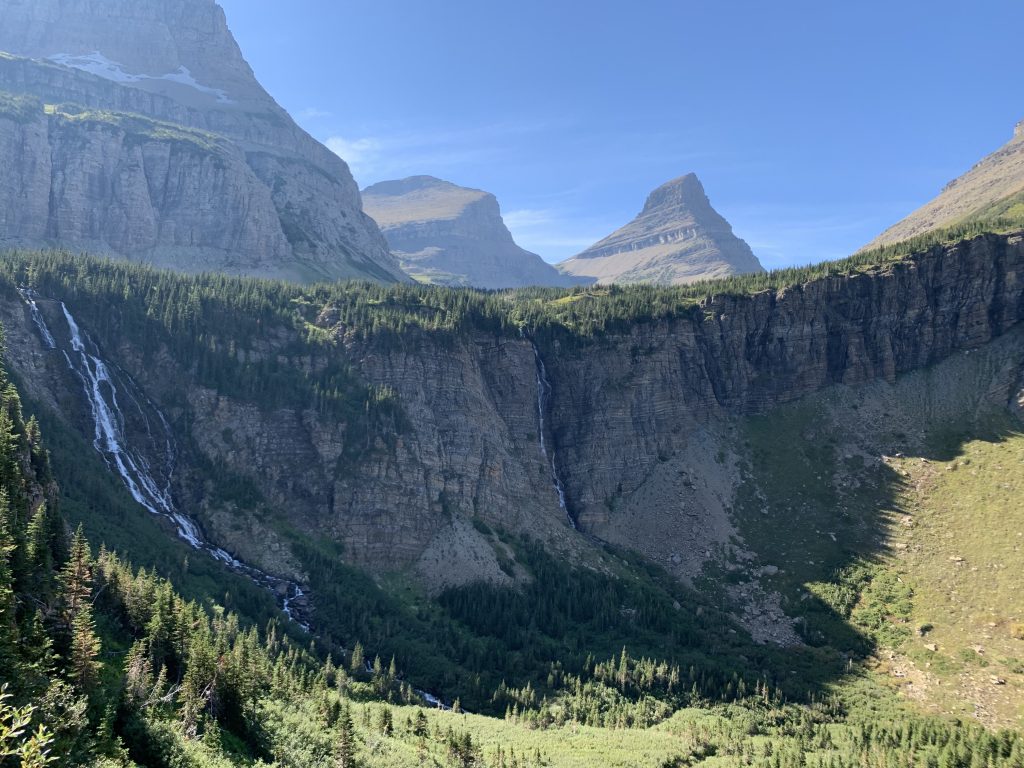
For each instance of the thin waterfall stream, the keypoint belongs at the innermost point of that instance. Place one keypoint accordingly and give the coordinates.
(543, 403)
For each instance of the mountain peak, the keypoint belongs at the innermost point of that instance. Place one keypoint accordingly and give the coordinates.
(677, 238)
(248, 192)
(685, 192)
(992, 189)
(153, 44)
(452, 235)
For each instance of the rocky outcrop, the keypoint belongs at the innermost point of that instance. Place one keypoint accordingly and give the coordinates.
(451, 235)
(177, 63)
(992, 189)
(640, 421)
(678, 238)
(171, 197)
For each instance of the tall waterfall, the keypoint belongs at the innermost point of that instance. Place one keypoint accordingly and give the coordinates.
(543, 399)
(108, 392)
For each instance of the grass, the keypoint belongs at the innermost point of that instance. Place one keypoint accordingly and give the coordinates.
(963, 553)
(136, 126)
(915, 561)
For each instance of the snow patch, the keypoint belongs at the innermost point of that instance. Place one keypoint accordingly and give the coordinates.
(97, 64)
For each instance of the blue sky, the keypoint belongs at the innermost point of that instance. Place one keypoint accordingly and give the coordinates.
(814, 125)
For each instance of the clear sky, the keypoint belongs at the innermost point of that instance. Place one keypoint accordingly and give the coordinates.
(814, 124)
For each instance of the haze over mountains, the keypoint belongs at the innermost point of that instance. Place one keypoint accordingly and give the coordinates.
(678, 238)
(139, 130)
(450, 235)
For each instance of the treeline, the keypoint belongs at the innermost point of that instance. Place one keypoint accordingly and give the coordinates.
(270, 327)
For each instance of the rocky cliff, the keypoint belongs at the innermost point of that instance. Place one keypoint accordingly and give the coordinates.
(638, 425)
(451, 235)
(175, 63)
(677, 238)
(992, 189)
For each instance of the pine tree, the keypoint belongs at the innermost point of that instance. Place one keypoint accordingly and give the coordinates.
(346, 751)
(420, 726)
(387, 722)
(76, 588)
(8, 621)
(358, 659)
(85, 649)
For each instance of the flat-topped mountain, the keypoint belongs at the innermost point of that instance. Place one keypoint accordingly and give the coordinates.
(677, 238)
(992, 189)
(450, 235)
(136, 128)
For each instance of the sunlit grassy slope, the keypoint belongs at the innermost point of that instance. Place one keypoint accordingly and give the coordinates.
(895, 515)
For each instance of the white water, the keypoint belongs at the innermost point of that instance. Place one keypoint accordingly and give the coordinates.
(37, 318)
(111, 441)
(543, 396)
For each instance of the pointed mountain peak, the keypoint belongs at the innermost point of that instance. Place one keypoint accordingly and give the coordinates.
(677, 238)
(684, 192)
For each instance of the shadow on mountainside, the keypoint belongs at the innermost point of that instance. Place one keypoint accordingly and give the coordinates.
(830, 488)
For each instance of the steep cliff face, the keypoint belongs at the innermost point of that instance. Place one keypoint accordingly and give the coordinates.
(452, 235)
(639, 426)
(678, 238)
(744, 355)
(177, 63)
(171, 197)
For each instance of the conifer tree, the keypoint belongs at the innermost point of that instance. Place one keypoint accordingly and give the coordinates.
(8, 620)
(76, 589)
(346, 751)
(358, 659)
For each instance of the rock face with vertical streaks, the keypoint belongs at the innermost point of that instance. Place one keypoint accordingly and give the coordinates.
(136, 128)
(640, 418)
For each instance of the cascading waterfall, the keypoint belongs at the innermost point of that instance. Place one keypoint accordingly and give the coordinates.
(543, 398)
(37, 318)
(110, 438)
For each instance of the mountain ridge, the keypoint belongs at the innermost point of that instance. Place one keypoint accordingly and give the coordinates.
(992, 189)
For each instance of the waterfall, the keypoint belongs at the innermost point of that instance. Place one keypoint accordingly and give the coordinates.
(150, 486)
(543, 399)
(37, 317)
